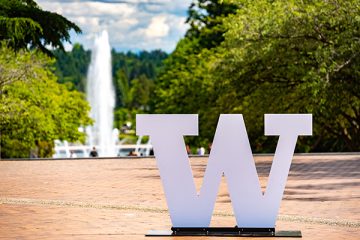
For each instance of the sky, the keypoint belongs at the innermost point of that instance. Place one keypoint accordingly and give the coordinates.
(132, 24)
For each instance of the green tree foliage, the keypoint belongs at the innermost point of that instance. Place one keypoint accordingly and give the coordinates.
(123, 95)
(24, 24)
(187, 84)
(134, 76)
(277, 57)
(205, 20)
(71, 67)
(35, 110)
(131, 68)
(140, 92)
(22, 72)
(297, 57)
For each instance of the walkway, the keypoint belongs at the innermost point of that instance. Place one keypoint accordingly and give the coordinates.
(123, 198)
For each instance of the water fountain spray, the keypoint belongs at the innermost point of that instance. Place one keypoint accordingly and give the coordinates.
(101, 96)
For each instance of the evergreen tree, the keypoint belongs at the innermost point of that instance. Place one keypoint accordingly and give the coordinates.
(24, 24)
(71, 67)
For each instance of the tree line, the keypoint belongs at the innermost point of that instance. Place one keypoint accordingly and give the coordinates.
(238, 56)
(134, 76)
(34, 108)
(269, 56)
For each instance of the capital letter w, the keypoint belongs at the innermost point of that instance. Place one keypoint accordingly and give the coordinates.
(231, 154)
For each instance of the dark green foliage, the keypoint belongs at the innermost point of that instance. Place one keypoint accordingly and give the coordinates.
(35, 109)
(130, 68)
(134, 76)
(71, 67)
(23, 24)
(134, 79)
(205, 20)
(187, 84)
(297, 57)
(283, 56)
(122, 82)
(135, 65)
(140, 92)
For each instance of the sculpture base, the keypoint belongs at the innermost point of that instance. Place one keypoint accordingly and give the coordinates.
(223, 232)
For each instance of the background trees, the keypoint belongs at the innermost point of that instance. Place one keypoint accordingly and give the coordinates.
(297, 56)
(34, 109)
(205, 18)
(274, 57)
(238, 56)
(23, 24)
(71, 67)
(187, 84)
(134, 76)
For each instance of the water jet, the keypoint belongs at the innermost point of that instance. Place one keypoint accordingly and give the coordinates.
(101, 96)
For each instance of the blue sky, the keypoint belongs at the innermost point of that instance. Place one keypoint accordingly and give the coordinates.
(132, 24)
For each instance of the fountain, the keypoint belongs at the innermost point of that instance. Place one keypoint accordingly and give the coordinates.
(101, 96)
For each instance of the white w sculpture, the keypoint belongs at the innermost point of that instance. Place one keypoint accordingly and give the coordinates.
(230, 154)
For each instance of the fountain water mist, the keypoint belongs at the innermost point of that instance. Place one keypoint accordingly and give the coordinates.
(101, 96)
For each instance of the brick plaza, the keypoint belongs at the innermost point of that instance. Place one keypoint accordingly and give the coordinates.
(123, 198)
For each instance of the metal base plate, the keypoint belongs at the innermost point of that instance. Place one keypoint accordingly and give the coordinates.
(223, 232)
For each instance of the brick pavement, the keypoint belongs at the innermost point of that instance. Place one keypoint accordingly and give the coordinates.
(123, 198)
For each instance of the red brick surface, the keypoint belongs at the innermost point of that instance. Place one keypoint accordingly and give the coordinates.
(123, 198)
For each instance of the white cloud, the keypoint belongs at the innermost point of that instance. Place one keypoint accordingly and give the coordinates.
(158, 27)
(68, 46)
(132, 24)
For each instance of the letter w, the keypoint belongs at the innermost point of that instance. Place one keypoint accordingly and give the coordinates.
(231, 154)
